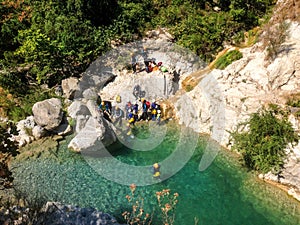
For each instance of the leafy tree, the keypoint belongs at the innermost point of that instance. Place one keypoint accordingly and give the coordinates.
(247, 12)
(60, 42)
(262, 141)
(43, 42)
(15, 15)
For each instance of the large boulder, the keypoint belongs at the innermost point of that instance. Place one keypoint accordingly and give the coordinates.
(77, 108)
(48, 113)
(25, 131)
(95, 134)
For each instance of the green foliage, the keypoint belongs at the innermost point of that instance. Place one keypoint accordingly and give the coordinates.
(262, 141)
(43, 42)
(14, 17)
(226, 59)
(22, 106)
(8, 149)
(203, 30)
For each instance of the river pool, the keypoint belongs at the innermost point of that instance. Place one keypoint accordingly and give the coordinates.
(225, 193)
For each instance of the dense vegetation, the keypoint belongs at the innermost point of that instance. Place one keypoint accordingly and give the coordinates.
(8, 148)
(43, 42)
(262, 140)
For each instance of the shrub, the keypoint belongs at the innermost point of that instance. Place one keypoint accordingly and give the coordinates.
(137, 215)
(166, 203)
(8, 149)
(273, 37)
(226, 59)
(22, 106)
(294, 100)
(262, 141)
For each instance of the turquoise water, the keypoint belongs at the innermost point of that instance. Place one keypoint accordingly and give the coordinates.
(222, 194)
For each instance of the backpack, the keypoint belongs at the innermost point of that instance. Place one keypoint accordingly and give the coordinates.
(148, 104)
(164, 69)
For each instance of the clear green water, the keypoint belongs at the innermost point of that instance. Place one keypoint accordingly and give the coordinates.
(222, 194)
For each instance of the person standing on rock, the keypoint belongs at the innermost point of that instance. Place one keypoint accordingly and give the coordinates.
(147, 61)
(133, 62)
(117, 115)
(128, 107)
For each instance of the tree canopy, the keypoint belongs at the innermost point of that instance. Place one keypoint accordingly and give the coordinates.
(43, 42)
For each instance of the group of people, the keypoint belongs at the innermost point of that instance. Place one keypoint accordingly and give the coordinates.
(150, 64)
(143, 110)
(140, 110)
(134, 112)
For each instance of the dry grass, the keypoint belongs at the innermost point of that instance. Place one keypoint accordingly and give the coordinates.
(275, 31)
(287, 9)
(190, 82)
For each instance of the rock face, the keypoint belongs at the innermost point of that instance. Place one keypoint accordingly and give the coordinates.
(224, 98)
(155, 85)
(59, 214)
(48, 113)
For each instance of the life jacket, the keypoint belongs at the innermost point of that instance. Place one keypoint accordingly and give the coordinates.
(157, 174)
(153, 105)
(155, 68)
(135, 108)
(130, 115)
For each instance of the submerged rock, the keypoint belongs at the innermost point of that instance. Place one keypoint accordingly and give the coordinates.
(59, 214)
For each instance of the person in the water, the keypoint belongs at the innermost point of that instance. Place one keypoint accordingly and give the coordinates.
(155, 169)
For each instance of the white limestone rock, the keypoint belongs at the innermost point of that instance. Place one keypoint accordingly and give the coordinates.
(94, 135)
(48, 113)
(69, 87)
